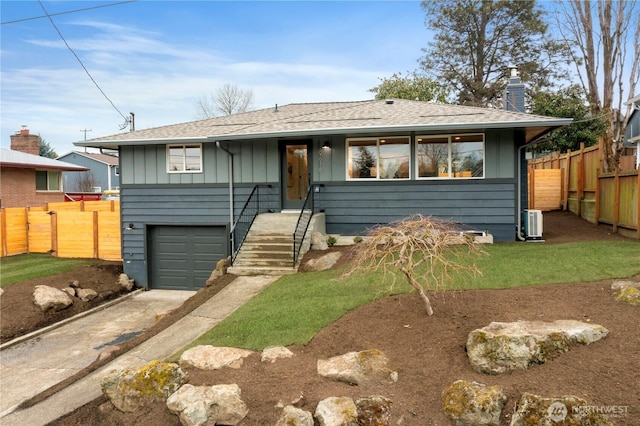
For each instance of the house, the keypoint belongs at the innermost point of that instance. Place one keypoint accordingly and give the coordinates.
(27, 179)
(184, 187)
(632, 133)
(103, 172)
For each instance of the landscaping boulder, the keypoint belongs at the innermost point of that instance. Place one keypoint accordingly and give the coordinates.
(374, 411)
(473, 404)
(131, 388)
(207, 357)
(221, 269)
(323, 263)
(125, 282)
(208, 405)
(51, 298)
(86, 294)
(319, 241)
(371, 366)
(292, 416)
(501, 347)
(337, 411)
(273, 354)
(566, 410)
(626, 292)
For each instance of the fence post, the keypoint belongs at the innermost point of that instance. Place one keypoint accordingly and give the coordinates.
(616, 204)
(532, 188)
(598, 180)
(54, 233)
(567, 179)
(3, 224)
(580, 179)
(638, 202)
(95, 235)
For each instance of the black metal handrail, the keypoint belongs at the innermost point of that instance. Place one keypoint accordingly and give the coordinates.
(308, 209)
(252, 208)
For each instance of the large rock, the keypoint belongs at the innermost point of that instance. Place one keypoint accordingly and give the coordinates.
(292, 416)
(337, 411)
(319, 241)
(626, 292)
(371, 366)
(221, 269)
(323, 263)
(50, 298)
(564, 410)
(208, 405)
(374, 411)
(131, 388)
(273, 354)
(473, 404)
(125, 282)
(207, 357)
(86, 294)
(501, 347)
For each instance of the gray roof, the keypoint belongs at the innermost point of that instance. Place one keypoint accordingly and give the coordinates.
(10, 158)
(358, 117)
(111, 160)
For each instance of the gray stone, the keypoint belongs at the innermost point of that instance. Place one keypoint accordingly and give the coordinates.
(371, 366)
(70, 291)
(125, 282)
(1, 291)
(50, 298)
(207, 357)
(626, 292)
(565, 410)
(374, 411)
(501, 347)
(473, 404)
(273, 354)
(221, 269)
(132, 388)
(319, 241)
(323, 263)
(337, 411)
(292, 416)
(86, 294)
(208, 405)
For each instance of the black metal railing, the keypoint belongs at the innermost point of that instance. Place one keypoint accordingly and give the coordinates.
(307, 212)
(255, 205)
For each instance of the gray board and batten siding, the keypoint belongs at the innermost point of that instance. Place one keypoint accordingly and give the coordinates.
(151, 197)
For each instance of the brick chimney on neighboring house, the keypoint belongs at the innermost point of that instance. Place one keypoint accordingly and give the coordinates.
(24, 142)
(513, 96)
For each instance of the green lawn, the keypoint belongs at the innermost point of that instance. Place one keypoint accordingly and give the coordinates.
(24, 267)
(294, 308)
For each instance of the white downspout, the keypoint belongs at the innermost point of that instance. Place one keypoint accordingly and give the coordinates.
(519, 197)
(230, 183)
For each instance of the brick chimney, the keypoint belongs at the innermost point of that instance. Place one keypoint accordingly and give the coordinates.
(23, 141)
(513, 96)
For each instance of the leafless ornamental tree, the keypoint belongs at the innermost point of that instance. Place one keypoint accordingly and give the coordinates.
(426, 251)
(228, 99)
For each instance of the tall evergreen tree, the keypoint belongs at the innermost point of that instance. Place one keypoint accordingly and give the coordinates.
(46, 150)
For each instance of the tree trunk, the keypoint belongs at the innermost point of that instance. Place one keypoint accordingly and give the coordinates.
(415, 284)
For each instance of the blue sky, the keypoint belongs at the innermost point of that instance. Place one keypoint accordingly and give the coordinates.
(157, 58)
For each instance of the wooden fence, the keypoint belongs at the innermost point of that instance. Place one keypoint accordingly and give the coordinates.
(87, 229)
(574, 182)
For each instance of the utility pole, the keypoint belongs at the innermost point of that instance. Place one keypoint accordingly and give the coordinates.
(85, 136)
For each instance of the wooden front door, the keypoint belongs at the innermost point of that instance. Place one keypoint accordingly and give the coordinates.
(295, 174)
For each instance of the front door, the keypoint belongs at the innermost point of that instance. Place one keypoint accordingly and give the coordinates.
(295, 174)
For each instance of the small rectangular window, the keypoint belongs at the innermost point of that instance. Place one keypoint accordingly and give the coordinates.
(184, 158)
(48, 181)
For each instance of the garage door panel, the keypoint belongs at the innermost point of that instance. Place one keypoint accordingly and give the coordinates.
(182, 257)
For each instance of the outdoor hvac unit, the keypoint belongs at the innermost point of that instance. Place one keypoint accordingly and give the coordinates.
(533, 224)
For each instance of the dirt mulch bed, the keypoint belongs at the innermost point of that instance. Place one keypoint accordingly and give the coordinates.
(428, 352)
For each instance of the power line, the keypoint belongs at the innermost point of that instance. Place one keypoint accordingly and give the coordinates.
(67, 12)
(81, 64)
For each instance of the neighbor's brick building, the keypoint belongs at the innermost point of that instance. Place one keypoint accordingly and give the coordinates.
(26, 179)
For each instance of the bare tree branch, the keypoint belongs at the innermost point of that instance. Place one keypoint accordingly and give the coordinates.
(228, 99)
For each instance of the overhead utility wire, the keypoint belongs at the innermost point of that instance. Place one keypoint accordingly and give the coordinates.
(67, 12)
(126, 119)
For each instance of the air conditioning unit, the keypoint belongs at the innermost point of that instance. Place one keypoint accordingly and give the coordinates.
(533, 224)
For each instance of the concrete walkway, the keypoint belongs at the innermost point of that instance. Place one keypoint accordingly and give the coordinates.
(22, 365)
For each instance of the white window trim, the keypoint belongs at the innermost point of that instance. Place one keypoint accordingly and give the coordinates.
(183, 145)
(449, 136)
(377, 139)
(48, 180)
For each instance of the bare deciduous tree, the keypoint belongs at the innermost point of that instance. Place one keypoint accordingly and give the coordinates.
(599, 32)
(85, 182)
(228, 99)
(426, 251)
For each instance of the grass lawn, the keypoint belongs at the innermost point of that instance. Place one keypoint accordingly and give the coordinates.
(294, 308)
(24, 267)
